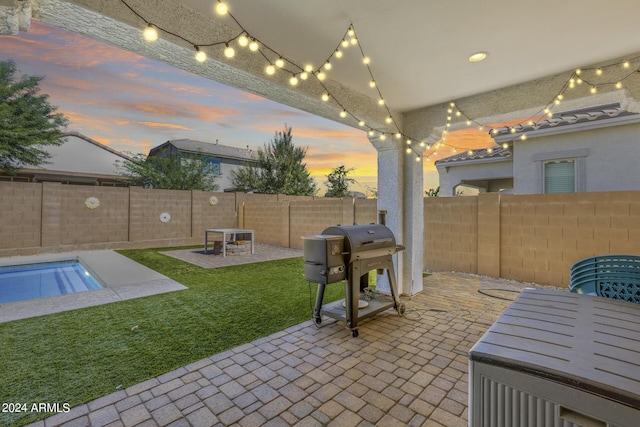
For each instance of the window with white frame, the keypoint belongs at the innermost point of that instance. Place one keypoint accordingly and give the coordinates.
(560, 176)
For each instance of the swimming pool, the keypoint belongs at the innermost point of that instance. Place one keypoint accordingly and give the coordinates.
(30, 281)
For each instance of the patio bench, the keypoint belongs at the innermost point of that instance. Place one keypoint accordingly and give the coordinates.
(612, 276)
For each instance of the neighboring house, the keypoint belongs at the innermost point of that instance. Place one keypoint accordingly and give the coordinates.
(78, 161)
(589, 149)
(221, 159)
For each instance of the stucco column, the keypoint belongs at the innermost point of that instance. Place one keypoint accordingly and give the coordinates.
(400, 193)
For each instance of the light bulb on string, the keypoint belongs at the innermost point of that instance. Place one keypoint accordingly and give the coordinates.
(470, 153)
(489, 150)
(372, 84)
(361, 123)
(254, 45)
(398, 135)
(371, 133)
(327, 65)
(381, 101)
(618, 85)
(626, 64)
(388, 120)
(505, 145)
(343, 114)
(270, 70)
(409, 150)
(593, 90)
(304, 75)
(229, 52)
(200, 55)
(321, 76)
(344, 43)
(308, 68)
(408, 141)
(353, 41)
(150, 33)
(523, 137)
(325, 97)
(293, 81)
(383, 136)
(243, 40)
(351, 32)
(418, 158)
(221, 8)
(578, 71)
(279, 62)
(599, 72)
(338, 53)
(366, 60)
(468, 122)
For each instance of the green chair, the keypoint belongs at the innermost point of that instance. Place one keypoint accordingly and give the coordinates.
(611, 276)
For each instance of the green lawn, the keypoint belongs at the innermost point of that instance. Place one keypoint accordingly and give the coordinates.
(76, 356)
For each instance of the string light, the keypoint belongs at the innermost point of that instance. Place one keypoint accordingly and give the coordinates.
(229, 52)
(200, 55)
(221, 8)
(150, 33)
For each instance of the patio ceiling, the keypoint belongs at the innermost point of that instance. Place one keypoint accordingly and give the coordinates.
(419, 49)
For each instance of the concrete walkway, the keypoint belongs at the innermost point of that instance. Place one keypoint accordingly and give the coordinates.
(400, 371)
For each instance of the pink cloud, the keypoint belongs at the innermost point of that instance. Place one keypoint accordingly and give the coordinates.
(164, 125)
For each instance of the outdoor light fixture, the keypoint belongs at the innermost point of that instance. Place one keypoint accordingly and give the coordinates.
(478, 56)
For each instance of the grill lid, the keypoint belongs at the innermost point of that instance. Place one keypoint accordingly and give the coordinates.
(365, 241)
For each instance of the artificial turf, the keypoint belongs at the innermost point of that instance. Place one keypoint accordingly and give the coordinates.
(76, 356)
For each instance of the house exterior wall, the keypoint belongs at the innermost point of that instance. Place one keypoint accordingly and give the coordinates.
(79, 156)
(452, 175)
(606, 159)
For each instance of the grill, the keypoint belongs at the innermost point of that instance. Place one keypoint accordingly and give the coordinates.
(350, 252)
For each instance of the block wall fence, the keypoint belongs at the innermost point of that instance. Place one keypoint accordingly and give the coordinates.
(531, 238)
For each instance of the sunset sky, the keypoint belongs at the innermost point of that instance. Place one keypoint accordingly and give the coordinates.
(132, 104)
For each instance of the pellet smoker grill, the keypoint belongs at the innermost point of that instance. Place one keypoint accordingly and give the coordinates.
(349, 253)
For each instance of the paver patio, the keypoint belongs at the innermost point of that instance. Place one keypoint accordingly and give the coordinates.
(400, 371)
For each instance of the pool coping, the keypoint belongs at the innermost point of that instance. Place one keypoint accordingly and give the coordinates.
(122, 279)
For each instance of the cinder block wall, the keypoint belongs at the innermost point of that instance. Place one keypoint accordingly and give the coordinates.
(147, 205)
(451, 234)
(531, 238)
(20, 216)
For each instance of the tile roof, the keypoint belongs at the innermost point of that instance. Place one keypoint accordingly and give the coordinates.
(565, 118)
(496, 152)
(214, 149)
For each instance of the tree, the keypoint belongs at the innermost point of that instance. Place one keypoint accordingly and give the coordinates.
(280, 169)
(27, 121)
(338, 182)
(172, 173)
(432, 192)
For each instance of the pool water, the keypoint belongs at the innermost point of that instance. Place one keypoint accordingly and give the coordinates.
(23, 282)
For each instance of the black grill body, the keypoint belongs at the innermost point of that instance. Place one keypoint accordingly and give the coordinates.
(365, 248)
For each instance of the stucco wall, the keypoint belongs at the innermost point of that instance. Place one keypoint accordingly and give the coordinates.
(453, 175)
(611, 164)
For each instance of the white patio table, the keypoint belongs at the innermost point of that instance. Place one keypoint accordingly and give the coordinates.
(227, 232)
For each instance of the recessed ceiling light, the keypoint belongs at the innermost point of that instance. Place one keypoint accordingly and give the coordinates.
(478, 56)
